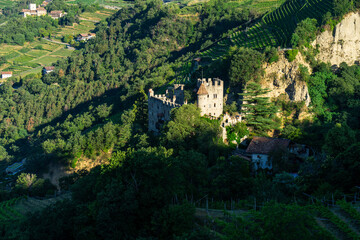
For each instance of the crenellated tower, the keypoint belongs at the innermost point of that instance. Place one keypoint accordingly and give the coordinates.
(210, 96)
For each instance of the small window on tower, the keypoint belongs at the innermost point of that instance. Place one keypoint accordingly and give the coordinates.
(208, 95)
(215, 95)
(214, 104)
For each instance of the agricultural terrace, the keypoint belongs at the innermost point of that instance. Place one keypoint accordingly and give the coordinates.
(273, 29)
(6, 3)
(31, 57)
(87, 23)
(104, 3)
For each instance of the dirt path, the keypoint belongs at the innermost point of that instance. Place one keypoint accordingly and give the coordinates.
(216, 213)
(51, 40)
(89, 20)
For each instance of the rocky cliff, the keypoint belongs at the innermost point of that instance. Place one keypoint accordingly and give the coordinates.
(282, 77)
(343, 43)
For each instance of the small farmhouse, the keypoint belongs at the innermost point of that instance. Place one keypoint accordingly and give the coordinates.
(49, 69)
(56, 14)
(45, 3)
(6, 75)
(85, 37)
(260, 149)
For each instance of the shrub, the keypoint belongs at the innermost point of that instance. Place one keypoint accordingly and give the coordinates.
(291, 54)
(39, 47)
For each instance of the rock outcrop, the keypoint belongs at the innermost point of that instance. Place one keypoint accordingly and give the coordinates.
(282, 77)
(342, 44)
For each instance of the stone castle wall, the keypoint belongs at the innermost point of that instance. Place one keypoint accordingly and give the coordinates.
(159, 109)
(210, 104)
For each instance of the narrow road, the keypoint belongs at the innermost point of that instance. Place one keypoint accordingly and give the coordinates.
(50, 40)
(85, 19)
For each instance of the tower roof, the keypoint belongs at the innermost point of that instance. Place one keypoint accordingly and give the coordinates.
(202, 90)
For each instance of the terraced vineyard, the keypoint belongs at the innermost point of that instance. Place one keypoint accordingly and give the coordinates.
(16, 208)
(341, 221)
(274, 29)
(7, 212)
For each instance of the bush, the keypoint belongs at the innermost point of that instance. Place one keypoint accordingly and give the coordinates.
(39, 47)
(271, 55)
(291, 54)
(73, 163)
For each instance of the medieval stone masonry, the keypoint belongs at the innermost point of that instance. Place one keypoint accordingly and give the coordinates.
(210, 95)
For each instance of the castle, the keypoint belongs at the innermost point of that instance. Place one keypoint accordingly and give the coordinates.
(33, 11)
(210, 94)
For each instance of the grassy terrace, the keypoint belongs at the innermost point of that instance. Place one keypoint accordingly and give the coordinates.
(87, 23)
(113, 3)
(274, 29)
(31, 57)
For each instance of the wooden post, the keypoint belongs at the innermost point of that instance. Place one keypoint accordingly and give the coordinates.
(207, 204)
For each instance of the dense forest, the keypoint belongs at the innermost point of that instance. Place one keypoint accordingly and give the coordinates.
(94, 105)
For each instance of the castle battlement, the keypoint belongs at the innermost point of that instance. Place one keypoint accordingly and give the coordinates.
(210, 101)
(210, 82)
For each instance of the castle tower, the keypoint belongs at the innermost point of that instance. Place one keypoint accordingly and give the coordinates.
(210, 96)
(32, 7)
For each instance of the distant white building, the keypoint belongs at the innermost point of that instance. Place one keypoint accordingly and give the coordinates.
(49, 69)
(6, 75)
(33, 11)
(57, 14)
(85, 37)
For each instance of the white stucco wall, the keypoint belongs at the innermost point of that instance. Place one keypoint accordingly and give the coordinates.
(261, 161)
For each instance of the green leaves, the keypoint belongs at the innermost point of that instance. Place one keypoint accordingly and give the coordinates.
(259, 112)
(304, 33)
(245, 66)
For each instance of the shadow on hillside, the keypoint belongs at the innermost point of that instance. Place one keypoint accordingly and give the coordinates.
(31, 148)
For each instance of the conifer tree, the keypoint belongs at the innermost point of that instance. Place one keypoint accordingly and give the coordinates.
(258, 110)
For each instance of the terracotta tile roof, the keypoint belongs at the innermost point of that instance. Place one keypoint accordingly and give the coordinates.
(49, 68)
(55, 12)
(41, 9)
(83, 35)
(264, 145)
(6, 72)
(25, 10)
(202, 90)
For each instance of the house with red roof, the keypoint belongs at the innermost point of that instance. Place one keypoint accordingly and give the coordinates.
(6, 75)
(261, 148)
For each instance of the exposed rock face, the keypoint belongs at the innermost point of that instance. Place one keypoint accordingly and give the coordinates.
(343, 43)
(282, 77)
